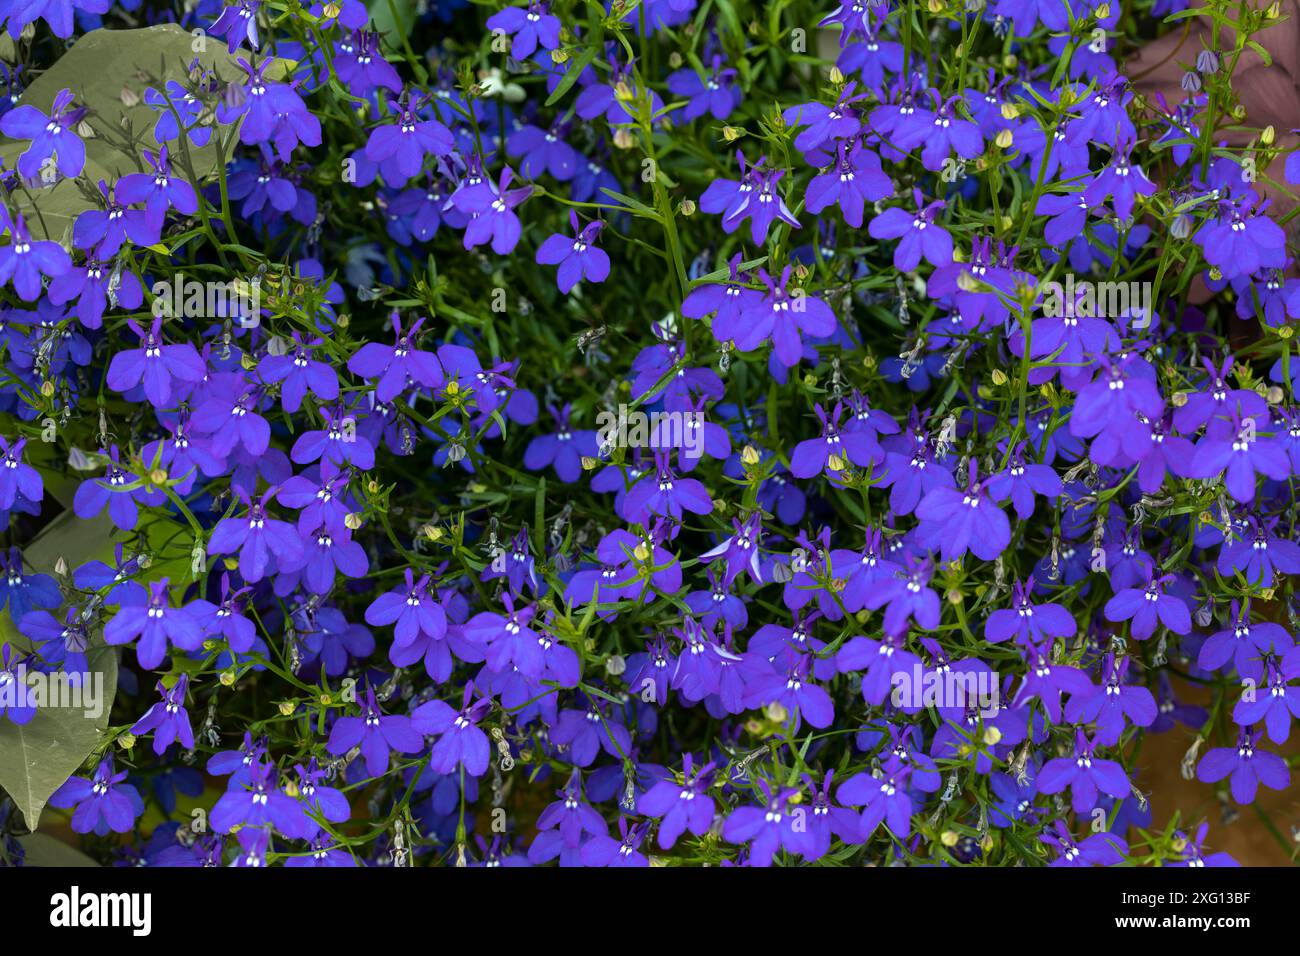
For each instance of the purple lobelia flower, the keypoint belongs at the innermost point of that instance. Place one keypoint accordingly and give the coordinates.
(155, 365)
(1020, 481)
(1215, 402)
(264, 543)
(104, 804)
(589, 731)
(1112, 705)
(362, 68)
(113, 490)
(1246, 767)
(1030, 624)
(855, 180)
(13, 670)
(1048, 681)
(1111, 402)
(159, 190)
(714, 92)
(603, 850)
(238, 23)
(563, 449)
(862, 571)
(1239, 456)
(461, 742)
(908, 595)
(338, 444)
(62, 644)
(884, 799)
(90, 285)
(920, 235)
(1245, 643)
(18, 480)
(492, 214)
(939, 132)
(399, 366)
(663, 493)
(102, 232)
(1098, 849)
(229, 417)
(22, 591)
(168, 719)
(1121, 181)
(318, 799)
(1148, 606)
(1084, 774)
(565, 825)
(516, 566)
(376, 734)
(782, 317)
(681, 806)
(1193, 855)
(765, 828)
(272, 113)
(25, 260)
(824, 125)
(156, 623)
(1241, 244)
(725, 303)
(740, 550)
(226, 620)
(399, 148)
(412, 610)
(792, 688)
(1258, 552)
(813, 456)
(959, 521)
(52, 135)
(530, 27)
(298, 372)
(1273, 705)
(257, 802)
(578, 256)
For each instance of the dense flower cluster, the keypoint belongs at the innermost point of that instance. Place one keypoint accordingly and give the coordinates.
(694, 433)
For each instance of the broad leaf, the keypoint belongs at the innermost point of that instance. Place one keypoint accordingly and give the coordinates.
(98, 69)
(36, 758)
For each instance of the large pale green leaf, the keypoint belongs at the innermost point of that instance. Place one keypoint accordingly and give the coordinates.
(393, 18)
(98, 68)
(40, 849)
(36, 758)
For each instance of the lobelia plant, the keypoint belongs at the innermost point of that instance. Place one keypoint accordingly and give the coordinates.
(956, 454)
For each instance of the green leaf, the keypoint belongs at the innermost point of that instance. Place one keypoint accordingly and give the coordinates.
(41, 849)
(97, 69)
(571, 75)
(37, 757)
(392, 27)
